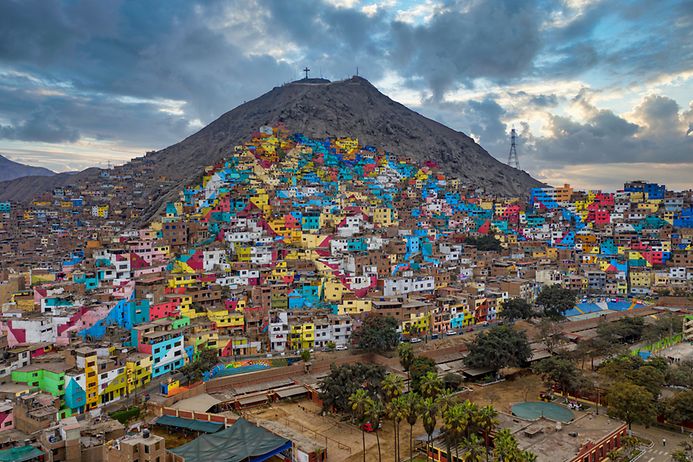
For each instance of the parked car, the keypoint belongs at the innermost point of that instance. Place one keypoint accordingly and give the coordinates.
(368, 427)
(415, 340)
(451, 332)
(434, 336)
(341, 348)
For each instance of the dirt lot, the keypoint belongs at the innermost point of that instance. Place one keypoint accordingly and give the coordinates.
(504, 394)
(342, 438)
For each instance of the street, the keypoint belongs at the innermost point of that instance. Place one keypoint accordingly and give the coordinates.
(658, 452)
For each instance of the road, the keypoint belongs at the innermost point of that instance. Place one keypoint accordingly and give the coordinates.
(659, 452)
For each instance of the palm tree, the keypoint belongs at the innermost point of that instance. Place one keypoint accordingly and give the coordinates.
(406, 358)
(430, 385)
(373, 414)
(396, 412)
(527, 456)
(429, 412)
(474, 451)
(445, 400)
(358, 403)
(391, 387)
(411, 412)
(472, 412)
(504, 444)
(456, 421)
(487, 420)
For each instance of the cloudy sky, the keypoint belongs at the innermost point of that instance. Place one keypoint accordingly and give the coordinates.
(601, 91)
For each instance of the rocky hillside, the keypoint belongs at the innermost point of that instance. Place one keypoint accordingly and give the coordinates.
(319, 108)
(10, 170)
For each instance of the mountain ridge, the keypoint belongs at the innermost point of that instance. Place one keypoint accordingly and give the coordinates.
(318, 108)
(11, 170)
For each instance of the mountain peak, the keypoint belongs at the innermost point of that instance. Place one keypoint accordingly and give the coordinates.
(319, 108)
(10, 170)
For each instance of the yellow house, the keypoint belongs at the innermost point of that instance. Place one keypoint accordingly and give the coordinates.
(640, 278)
(385, 216)
(138, 371)
(420, 322)
(223, 319)
(181, 280)
(302, 336)
(354, 306)
(334, 291)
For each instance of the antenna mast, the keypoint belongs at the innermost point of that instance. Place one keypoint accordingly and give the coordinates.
(513, 161)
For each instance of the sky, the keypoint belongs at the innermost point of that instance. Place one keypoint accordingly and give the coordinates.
(600, 92)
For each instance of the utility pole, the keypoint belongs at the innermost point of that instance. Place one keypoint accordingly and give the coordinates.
(513, 161)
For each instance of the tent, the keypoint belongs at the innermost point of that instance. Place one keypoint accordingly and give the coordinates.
(242, 442)
(189, 424)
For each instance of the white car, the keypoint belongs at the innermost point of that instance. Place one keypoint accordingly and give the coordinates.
(341, 348)
(415, 340)
(451, 332)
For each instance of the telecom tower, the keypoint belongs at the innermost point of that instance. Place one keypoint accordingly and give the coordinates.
(513, 161)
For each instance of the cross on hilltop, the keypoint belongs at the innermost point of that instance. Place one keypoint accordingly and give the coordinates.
(306, 70)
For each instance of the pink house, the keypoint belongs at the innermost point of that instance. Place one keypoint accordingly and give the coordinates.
(6, 416)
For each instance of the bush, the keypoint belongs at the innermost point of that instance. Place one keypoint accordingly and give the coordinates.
(125, 415)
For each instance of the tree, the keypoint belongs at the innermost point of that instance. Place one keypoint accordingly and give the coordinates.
(685, 453)
(331, 345)
(649, 377)
(551, 334)
(430, 385)
(421, 366)
(505, 445)
(429, 413)
(561, 373)
(516, 308)
(680, 374)
(630, 403)
(487, 420)
(343, 381)
(663, 327)
(406, 358)
(305, 356)
(555, 300)
(473, 449)
(377, 334)
(374, 413)
(626, 330)
(207, 358)
(456, 421)
(359, 403)
(499, 347)
(452, 381)
(412, 409)
(396, 411)
(620, 368)
(445, 401)
(679, 408)
(391, 387)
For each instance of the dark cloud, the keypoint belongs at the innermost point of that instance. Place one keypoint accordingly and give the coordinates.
(496, 40)
(605, 137)
(147, 73)
(42, 124)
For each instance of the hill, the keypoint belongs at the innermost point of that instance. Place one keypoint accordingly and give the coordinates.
(317, 108)
(10, 170)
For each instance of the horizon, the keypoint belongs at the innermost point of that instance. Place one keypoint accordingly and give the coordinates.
(598, 91)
